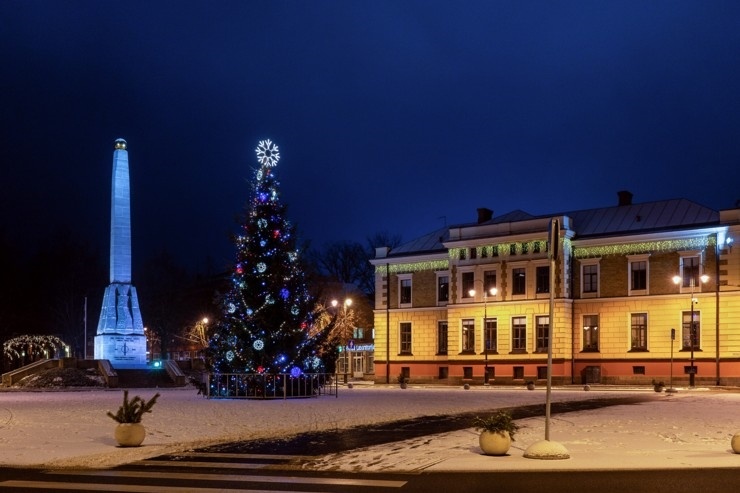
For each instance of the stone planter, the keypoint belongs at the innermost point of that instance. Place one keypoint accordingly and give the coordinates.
(130, 434)
(494, 443)
(735, 443)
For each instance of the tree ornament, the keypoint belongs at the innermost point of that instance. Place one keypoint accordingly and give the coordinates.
(267, 153)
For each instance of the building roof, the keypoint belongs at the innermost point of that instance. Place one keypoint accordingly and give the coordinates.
(662, 215)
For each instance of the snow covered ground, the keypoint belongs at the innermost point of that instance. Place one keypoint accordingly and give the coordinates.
(70, 428)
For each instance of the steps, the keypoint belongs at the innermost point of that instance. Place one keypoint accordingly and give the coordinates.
(144, 379)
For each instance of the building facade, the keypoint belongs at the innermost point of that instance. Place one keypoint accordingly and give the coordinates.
(641, 293)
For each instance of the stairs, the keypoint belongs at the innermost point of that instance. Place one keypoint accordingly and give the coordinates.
(144, 379)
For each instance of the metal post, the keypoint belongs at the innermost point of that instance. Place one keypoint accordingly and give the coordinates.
(692, 336)
(670, 383)
(85, 348)
(485, 332)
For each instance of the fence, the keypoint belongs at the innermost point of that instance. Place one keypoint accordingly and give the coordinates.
(270, 386)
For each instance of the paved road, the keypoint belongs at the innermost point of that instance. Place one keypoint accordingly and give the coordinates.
(327, 442)
(199, 472)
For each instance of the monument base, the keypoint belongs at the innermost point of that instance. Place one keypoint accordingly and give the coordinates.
(123, 351)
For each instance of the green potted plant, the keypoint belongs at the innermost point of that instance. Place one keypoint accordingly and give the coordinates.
(658, 386)
(402, 380)
(497, 432)
(130, 432)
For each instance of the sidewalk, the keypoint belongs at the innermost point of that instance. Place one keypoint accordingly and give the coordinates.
(692, 428)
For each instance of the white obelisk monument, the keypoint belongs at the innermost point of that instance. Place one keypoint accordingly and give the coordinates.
(120, 337)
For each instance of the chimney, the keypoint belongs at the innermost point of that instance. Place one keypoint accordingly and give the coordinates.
(484, 215)
(625, 197)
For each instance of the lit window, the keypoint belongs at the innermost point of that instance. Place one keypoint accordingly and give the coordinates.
(639, 331)
(691, 332)
(519, 334)
(490, 335)
(468, 336)
(590, 332)
(543, 333)
(405, 337)
(442, 337)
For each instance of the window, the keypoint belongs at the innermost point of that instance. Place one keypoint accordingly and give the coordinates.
(639, 331)
(443, 288)
(691, 271)
(473, 253)
(543, 279)
(518, 334)
(691, 332)
(541, 373)
(358, 333)
(490, 334)
(468, 336)
(518, 373)
(519, 281)
(543, 333)
(404, 291)
(467, 372)
(489, 281)
(442, 337)
(405, 335)
(467, 284)
(590, 332)
(591, 278)
(638, 275)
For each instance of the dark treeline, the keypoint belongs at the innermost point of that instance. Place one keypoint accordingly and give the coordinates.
(57, 288)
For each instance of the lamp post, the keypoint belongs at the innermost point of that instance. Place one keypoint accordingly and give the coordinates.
(692, 325)
(486, 342)
(347, 303)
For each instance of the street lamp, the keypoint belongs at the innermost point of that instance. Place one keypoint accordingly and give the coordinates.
(347, 303)
(486, 340)
(692, 325)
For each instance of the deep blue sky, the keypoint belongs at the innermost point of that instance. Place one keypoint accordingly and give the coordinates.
(390, 115)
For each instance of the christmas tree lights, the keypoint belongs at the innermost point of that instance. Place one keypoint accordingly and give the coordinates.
(266, 316)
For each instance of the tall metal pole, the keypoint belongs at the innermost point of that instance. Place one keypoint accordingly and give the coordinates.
(387, 323)
(485, 332)
(670, 384)
(554, 238)
(692, 336)
(84, 350)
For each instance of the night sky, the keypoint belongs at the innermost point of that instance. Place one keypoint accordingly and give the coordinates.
(398, 115)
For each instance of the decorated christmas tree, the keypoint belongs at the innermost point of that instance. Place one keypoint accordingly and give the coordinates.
(266, 316)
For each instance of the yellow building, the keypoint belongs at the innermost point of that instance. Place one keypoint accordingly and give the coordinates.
(471, 302)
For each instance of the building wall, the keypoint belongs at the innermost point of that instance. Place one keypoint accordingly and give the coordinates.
(717, 357)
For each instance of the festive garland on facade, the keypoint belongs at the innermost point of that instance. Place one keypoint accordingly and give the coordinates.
(503, 249)
(644, 247)
(413, 267)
